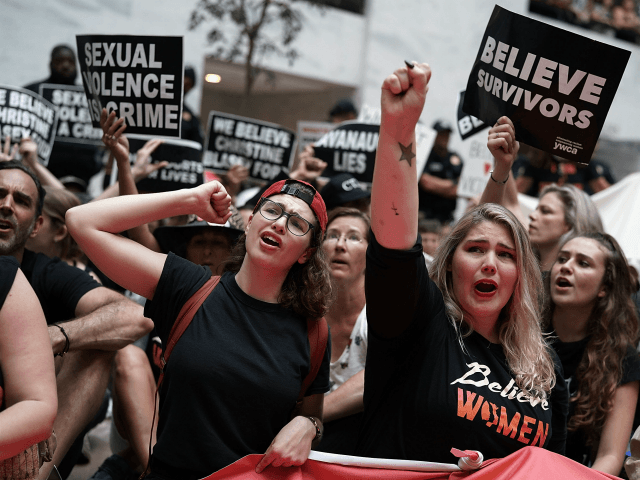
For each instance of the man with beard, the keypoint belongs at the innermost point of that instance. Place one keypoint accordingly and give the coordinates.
(88, 323)
(68, 159)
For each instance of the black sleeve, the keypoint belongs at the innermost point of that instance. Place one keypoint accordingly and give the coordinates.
(8, 269)
(397, 288)
(179, 280)
(630, 366)
(59, 287)
(559, 408)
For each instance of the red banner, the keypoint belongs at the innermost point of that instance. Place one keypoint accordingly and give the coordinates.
(527, 463)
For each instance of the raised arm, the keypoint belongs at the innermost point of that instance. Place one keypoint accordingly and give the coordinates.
(501, 187)
(27, 367)
(95, 226)
(394, 194)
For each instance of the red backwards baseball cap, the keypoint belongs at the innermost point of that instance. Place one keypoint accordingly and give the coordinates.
(292, 187)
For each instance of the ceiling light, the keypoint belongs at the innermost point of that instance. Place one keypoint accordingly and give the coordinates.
(213, 78)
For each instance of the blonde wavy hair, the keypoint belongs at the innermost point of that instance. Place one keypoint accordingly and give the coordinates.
(519, 323)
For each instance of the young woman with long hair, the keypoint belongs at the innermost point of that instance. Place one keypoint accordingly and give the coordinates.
(234, 376)
(456, 356)
(591, 313)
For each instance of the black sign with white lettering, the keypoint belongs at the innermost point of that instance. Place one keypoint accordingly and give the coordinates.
(468, 125)
(140, 77)
(24, 113)
(185, 169)
(264, 148)
(349, 148)
(74, 121)
(556, 86)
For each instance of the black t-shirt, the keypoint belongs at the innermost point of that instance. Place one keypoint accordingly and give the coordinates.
(233, 377)
(8, 269)
(571, 354)
(435, 206)
(424, 393)
(58, 285)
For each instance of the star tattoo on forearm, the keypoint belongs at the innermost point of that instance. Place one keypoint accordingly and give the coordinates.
(407, 153)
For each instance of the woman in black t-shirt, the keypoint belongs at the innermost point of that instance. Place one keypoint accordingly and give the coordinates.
(592, 314)
(278, 272)
(456, 360)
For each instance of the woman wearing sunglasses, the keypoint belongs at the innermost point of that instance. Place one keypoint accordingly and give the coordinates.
(234, 376)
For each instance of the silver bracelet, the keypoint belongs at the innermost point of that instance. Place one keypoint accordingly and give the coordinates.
(501, 183)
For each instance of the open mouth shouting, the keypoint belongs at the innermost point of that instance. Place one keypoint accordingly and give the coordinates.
(562, 283)
(6, 225)
(270, 239)
(485, 287)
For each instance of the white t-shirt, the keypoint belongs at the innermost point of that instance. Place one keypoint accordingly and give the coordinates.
(354, 356)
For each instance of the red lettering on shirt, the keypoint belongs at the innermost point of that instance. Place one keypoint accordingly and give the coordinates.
(541, 434)
(508, 429)
(468, 409)
(524, 429)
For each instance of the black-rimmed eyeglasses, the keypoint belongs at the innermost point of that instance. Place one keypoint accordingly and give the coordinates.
(295, 223)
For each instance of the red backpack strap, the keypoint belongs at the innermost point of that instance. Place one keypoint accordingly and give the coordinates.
(318, 332)
(185, 316)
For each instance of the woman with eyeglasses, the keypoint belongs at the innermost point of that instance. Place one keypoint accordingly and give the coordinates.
(345, 246)
(235, 374)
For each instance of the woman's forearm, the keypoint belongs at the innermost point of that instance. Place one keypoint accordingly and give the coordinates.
(119, 214)
(24, 424)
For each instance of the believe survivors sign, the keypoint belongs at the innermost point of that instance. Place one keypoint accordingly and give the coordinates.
(24, 113)
(349, 148)
(74, 123)
(556, 86)
(140, 77)
(264, 148)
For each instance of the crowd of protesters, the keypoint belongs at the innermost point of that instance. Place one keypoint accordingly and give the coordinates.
(406, 305)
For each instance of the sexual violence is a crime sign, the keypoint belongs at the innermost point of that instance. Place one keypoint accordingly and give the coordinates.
(138, 77)
(23, 114)
(74, 120)
(556, 86)
(264, 148)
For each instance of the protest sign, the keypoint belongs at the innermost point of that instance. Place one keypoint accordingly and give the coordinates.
(138, 77)
(478, 161)
(24, 113)
(74, 120)
(556, 86)
(185, 169)
(310, 132)
(264, 148)
(349, 148)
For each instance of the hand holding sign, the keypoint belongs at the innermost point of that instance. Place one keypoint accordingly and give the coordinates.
(113, 129)
(8, 153)
(309, 167)
(143, 167)
(503, 146)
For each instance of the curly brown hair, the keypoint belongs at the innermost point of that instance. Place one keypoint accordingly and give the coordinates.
(612, 328)
(307, 288)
